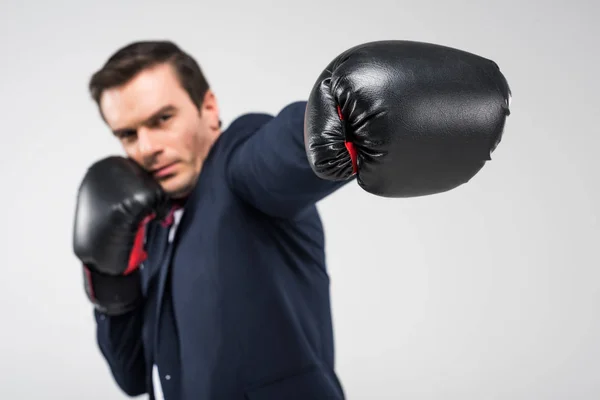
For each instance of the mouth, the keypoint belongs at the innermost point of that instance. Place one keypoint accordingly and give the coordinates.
(164, 171)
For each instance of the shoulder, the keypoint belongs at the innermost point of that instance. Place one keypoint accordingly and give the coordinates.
(251, 122)
(245, 125)
(240, 129)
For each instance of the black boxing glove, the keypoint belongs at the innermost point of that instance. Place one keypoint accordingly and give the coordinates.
(409, 118)
(115, 201)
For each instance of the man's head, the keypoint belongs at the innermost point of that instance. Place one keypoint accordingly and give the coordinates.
(156, 100)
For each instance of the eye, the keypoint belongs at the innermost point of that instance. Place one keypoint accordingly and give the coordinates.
(165, 117)
(126, 135)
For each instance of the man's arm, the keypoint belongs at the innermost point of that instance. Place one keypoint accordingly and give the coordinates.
(120, 342)
(270, 170)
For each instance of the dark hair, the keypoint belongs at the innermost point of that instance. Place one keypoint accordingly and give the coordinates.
(135, 57)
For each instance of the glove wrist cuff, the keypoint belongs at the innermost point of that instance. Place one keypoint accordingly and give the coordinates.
(113, 295)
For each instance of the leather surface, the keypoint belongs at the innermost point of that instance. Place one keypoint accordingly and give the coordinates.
(423, 118)
(113, 294)
(113, 199)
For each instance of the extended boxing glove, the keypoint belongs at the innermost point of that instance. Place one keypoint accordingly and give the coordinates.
(115, 201)
(408, 118)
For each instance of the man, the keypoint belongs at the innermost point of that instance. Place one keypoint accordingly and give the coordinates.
(203, 250)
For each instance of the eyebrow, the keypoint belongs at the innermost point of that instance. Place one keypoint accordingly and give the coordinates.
(155, 115)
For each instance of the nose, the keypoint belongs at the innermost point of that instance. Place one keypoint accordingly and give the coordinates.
(148, 144)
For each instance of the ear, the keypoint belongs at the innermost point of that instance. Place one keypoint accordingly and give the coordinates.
(210, 110)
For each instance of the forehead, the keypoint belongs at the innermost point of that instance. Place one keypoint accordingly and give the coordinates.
(139, 98)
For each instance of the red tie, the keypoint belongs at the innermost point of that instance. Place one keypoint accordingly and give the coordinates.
(138, 254)
(170, 218)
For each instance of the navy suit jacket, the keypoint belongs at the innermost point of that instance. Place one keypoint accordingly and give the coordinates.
(237, 307)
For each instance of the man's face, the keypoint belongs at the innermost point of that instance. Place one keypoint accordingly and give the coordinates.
(161, 128)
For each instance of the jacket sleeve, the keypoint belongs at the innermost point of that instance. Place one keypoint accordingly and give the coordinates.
(270, 168)
(120, 342)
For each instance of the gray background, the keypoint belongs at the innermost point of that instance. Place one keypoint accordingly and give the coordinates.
(490, 291)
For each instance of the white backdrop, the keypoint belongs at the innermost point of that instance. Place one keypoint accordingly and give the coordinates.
(490, 291)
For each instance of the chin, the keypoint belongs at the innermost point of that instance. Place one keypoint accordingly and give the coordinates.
(176, 186)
